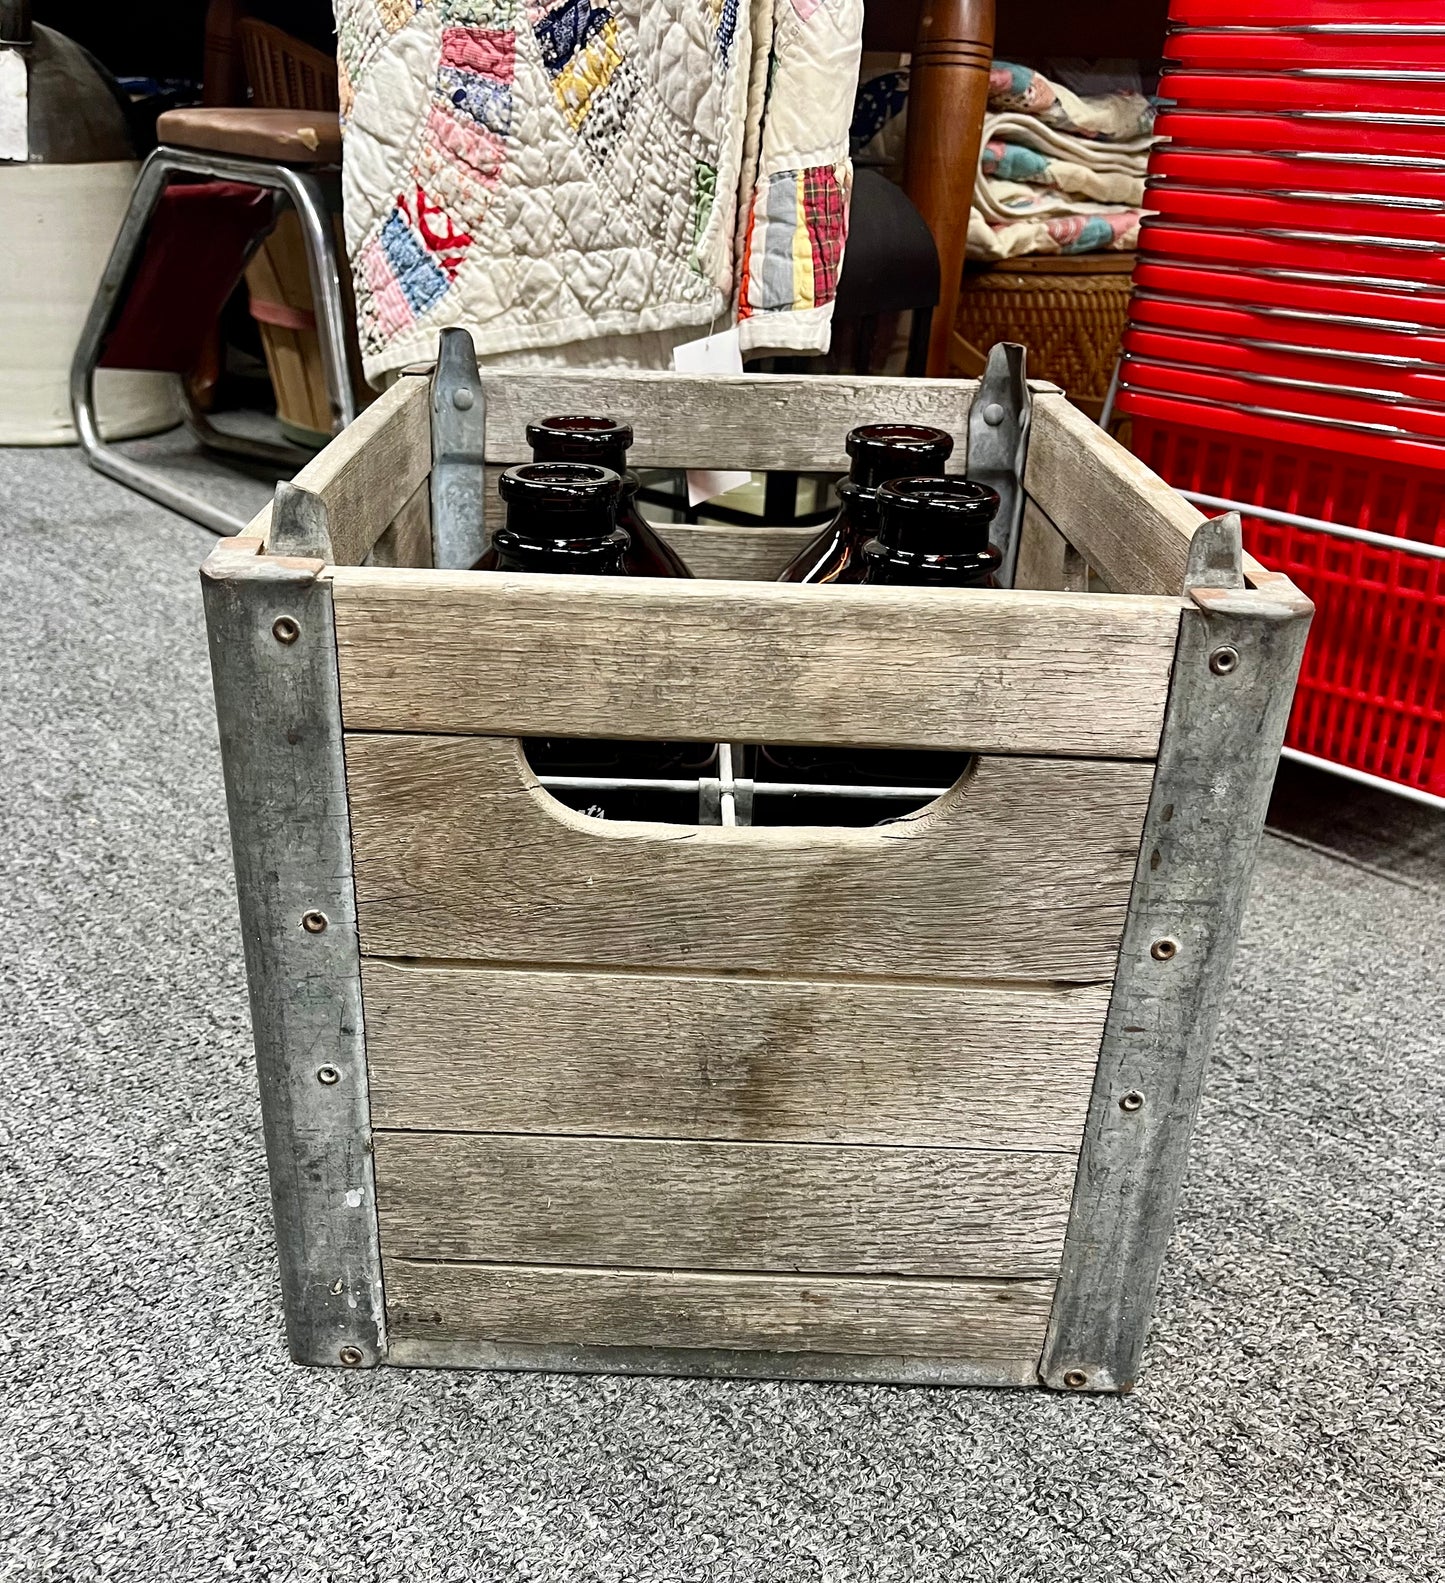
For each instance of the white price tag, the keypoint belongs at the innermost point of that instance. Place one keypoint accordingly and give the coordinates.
(14, 106)
(713, 354)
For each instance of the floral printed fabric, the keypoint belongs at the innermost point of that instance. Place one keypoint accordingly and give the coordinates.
(634, 172)
(1059, 171)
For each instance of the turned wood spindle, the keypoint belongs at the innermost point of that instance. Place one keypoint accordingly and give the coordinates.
(947, 98)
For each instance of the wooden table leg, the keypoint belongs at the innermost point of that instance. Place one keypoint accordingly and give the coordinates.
(947, 98)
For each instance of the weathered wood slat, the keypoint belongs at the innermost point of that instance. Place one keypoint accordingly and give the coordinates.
(643, 1055)
(711, 549)
(721, 1206)
(629, 1308)
(767, 422)
(989, 670)
(744, 554)
(407, 542)
(1123, 519)
(732, 1363)
(369, 472)
(1046, 558)
(459, 854)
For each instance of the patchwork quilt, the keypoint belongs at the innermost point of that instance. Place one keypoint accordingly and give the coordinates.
(595, 180)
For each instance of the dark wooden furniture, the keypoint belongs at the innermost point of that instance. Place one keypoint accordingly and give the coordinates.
(953, 43)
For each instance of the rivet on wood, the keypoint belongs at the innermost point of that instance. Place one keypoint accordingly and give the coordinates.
(285, 629)
(351, 1357)
(1164, 950)
(314, 922)
(1076, 1379)
(1224, 659)
(1132, 1101)
(327, 1075)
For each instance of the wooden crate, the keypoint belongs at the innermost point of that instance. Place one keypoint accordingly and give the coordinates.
(907, 1104)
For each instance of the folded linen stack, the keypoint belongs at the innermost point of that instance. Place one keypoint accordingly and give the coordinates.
(1059, 172)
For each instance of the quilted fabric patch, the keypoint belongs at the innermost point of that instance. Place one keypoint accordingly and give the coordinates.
(554, 170)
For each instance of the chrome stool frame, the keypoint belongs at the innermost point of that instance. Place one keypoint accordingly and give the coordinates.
(307, 195)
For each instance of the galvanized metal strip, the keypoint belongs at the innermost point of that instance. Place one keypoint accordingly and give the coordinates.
(709, 1363)
(273, 663)
(300, 524)
(458, 473)
(998, 445)
(1234, 672)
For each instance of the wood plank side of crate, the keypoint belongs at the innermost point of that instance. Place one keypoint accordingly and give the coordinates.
(766, 422)
(407, 540)
(1021, 872)
(1126, 522)
(368, 473)
(736, 554)
(748, 1207)
(996, 671)
(862, 1315)
(1046, 558)
(728, 1363)
(662, 1055)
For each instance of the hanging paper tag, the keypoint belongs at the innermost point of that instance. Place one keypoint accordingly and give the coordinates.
(713, 354)
(14, 106)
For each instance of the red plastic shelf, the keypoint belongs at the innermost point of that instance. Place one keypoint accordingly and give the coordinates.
(1393, 136)
(1372, 689)
(1284, 50)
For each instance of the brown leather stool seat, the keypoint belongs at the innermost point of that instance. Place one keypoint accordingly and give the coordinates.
(285, 137)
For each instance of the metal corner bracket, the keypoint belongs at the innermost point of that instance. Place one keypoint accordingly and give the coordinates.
(1235, 664)
(998, 445)
(458, 444)
(273, 664)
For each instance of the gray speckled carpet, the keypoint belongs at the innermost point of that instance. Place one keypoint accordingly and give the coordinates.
(1289, 1425)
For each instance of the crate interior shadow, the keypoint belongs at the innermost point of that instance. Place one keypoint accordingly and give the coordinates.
(703, 783)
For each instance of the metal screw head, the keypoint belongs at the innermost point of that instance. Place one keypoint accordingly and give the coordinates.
(351, 1357)
(1076, 1379)
(328, 1075)
(1224, 659)
(1164, 950)
(462, 399)
(314, 922)
(1132, 1101)
(285, 629)
(993, 414)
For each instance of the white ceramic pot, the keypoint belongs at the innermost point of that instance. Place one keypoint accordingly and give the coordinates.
(57, 223)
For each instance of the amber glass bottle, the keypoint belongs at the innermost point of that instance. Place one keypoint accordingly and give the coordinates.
(561, 517)
(604, 442)
(932, 532)
(877, 452)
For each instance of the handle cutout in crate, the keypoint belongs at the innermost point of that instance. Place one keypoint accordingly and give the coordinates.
(741, 784)
(1021, 871)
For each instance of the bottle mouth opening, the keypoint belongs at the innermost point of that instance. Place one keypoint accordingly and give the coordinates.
(953, 497)
(899, 435)
(579, 436)
(579, 423)
(559, 484)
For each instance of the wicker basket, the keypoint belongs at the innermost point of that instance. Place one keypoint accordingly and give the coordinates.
(1069, 312)
(286, 74)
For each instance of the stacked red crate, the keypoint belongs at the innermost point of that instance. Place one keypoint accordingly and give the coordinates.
(1286, 343)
